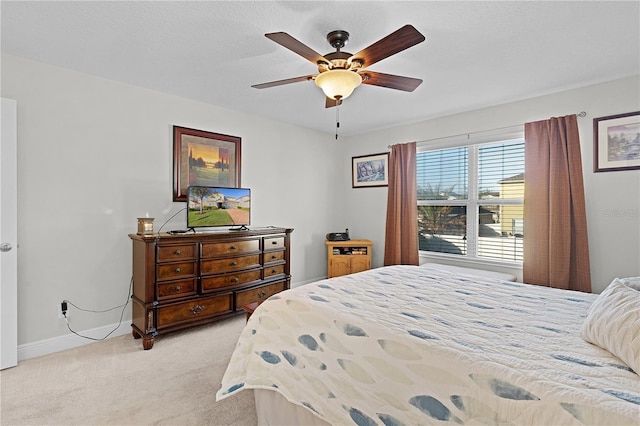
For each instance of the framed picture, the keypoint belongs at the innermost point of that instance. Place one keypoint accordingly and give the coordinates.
(205, 159)
(370, 170)
(616, 142)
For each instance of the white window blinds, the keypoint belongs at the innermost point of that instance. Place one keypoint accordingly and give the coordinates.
(470, 199)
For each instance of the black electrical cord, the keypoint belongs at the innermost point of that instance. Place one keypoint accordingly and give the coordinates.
(110, 309)
(167, 221)
(94, 311)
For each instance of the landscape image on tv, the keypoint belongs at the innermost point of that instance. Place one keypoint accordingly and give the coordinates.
(216, 206)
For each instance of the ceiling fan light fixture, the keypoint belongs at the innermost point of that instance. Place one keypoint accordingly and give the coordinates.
(338, 84)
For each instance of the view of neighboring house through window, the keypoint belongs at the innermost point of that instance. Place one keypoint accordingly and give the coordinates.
(470, 200)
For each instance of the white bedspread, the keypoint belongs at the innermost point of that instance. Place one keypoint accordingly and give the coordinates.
(407, 345)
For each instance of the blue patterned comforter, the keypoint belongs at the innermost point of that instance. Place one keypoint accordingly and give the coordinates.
(407, 345)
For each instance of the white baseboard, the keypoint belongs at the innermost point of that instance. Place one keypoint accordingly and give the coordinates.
(68, 341)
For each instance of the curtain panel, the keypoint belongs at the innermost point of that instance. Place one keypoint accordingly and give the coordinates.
(401, 234)
(556, 250)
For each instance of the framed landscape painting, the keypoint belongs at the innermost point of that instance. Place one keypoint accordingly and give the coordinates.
(205, 159)
(616, 142)
(370, 170)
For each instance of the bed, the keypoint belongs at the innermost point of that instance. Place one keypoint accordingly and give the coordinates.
(407, 345)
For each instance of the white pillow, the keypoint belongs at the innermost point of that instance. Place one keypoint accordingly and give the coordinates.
(613, 321)
(633, 282)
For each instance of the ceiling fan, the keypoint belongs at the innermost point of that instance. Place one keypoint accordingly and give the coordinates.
(341, 72)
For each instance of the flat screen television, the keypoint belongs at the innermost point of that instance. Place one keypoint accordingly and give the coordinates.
(209, 207)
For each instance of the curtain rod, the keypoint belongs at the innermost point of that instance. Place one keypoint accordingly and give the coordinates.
(580, 114)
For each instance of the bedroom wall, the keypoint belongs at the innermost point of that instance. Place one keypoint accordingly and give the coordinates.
(612, 198)
(93, 155)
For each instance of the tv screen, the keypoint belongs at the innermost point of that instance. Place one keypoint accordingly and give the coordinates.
(209, 206)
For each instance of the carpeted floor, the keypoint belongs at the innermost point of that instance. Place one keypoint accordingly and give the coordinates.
(116, 382)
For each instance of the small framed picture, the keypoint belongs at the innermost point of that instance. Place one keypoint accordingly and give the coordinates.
(616, 142)
(370, 170)
(205, 159)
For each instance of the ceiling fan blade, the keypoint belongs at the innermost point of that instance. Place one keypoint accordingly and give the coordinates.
(285, 81)
(298, 47)
(395, 42)
(408, 84)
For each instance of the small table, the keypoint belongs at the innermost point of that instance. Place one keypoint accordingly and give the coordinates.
(250, 308)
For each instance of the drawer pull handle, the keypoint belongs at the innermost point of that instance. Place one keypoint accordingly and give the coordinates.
(234, 263)
(274, 242)
(234, 280)
(197, 309)
(233, 248)
(273, 271)
(262, 294)
(178, 270)
(273, 256)
(178, 252)
(177, 288)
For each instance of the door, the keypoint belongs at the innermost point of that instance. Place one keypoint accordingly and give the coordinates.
(8, 236)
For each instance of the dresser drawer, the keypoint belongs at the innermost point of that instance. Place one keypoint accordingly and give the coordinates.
(257, 294)
(173, 289)
(270, 271)
(193, 310)
(177, 252)
(228, 280)
(170, 271)
(276, 243)
(229, 264)
(228, 247)
(273, 256)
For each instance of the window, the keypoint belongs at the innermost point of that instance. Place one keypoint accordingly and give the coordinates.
(471, 199)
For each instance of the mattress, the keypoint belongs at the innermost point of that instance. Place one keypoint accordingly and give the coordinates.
(273, 409)
(414, 345)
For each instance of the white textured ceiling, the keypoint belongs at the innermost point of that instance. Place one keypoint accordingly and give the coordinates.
(476, 54)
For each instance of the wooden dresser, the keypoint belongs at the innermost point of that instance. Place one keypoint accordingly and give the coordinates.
(348, 257)
(185, 280)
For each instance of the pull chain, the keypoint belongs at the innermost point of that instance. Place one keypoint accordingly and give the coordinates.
(338, 103)
(337, 119)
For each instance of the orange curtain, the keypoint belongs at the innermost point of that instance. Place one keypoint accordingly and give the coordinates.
(401, 236)
(556, 249)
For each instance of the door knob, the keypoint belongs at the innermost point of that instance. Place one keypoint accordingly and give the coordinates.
(5, 247)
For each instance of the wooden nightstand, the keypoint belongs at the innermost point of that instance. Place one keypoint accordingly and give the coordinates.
(250, 308)
(348, 257)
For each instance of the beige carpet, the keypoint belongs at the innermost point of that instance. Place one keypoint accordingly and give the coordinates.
(116, 382)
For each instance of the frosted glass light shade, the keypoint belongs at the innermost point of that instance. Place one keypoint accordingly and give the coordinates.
(338, 84)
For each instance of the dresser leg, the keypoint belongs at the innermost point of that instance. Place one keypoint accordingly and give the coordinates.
(147, 342)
